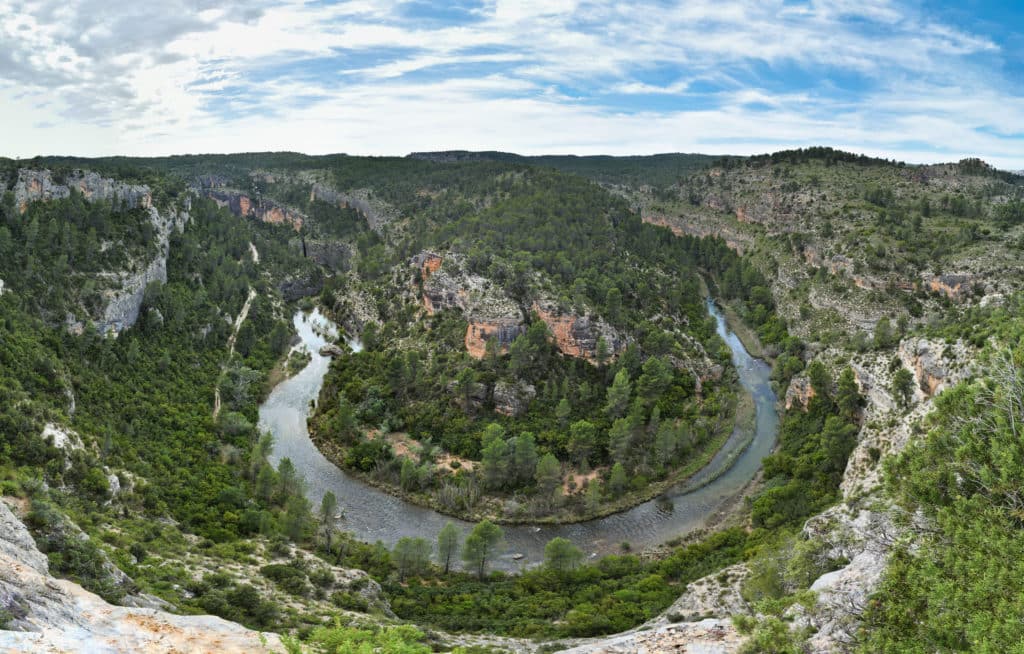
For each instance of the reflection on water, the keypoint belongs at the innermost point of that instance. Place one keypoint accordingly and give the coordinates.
(371, 514)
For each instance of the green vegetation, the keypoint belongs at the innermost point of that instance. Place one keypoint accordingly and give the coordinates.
(953, 584)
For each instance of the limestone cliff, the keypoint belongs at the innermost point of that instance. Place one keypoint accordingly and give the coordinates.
(260, 208)
(376, 213)
(578, 336)
(33, 185)
(125, 289)
(492, 314)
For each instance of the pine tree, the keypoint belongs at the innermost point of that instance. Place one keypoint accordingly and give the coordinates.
(617, 482)
(618, 395)
(447, 545)
(481, 545)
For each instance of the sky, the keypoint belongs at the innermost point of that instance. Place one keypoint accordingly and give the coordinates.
(914, 80)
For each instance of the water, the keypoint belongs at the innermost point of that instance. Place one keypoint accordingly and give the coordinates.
(371, 514)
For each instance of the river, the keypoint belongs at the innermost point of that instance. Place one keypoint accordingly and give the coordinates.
(371, 514)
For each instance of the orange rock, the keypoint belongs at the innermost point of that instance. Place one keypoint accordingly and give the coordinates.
(480, 331)
(430, 265)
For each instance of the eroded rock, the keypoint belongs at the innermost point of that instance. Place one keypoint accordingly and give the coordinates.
(512, 399)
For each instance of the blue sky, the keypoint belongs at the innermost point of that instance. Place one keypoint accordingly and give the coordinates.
(916, 80)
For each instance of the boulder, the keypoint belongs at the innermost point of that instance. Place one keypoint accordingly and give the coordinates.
(331, 350)
(513, 398)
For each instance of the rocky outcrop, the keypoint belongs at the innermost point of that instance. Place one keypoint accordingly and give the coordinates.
(680, 226)
(330, 254)
(927, 360)
(428, 263)
(54, 615)
(512, 399)
(578, 336)
(34, 185)
(492, 314)
(123, 303)
(479, 332)
(955, 287)
(799, 393)
(376, 213)
(705, 637)
(263, 209)
(125, 289)
(864, 539)
(331, 350)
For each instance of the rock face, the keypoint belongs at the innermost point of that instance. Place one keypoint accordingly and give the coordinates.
(954, 287)
(377, 214)
(799, 393)
(123, 305)
(925, 359)
(35, 185)
(57, 615)
(330, 254)
(513, 399)
(124, 299)
(263, 209)
(492, 314)
(705, 637)
(864, 538)
(578, 336)
(331, 350)
(737, 242)
(479, 332)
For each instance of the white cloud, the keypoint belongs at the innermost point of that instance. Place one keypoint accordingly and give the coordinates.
(155, 78)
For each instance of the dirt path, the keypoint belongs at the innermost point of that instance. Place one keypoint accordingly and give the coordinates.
(242, 315)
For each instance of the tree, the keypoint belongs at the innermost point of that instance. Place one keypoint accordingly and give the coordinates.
(656, 377)
(563, 411)
(617, 482)
(328, 505)
(524, 457)
(665, 443)
(548, 475)
(884, 336)
(447, 545)
(266, 479)
(280, 335)
(618, 394)
(592, 500)
(820, 380)
(620, 439)
(838, 439)
(288, 479)
(465, 382)
(561, 555)
(481, 545)
(613, 304)
(296, 522)
(495, 459)
(582, 440)
(903, 387)
(411, 556)
(848, 397)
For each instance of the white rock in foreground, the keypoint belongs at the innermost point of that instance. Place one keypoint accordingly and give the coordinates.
(60, 616)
